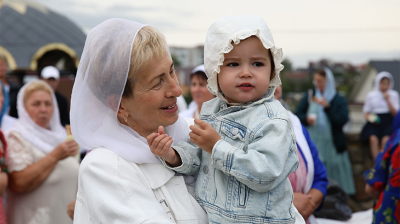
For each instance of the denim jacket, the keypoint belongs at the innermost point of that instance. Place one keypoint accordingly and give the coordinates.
(244, 180)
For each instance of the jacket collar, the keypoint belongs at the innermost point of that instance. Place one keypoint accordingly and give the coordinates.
(156, 174)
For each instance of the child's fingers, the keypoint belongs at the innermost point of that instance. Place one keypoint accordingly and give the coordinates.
(162, 143)
(196, 129)
(194, 136)
(200, 123)
(151, 137)
(167, 145)
(161, 130)
(157, 141)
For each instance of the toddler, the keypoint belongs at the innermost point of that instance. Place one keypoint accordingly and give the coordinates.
(243, 146)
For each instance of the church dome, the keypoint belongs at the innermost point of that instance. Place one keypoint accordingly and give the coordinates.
(32, 36)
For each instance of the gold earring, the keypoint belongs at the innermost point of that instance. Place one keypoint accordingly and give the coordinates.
(126, 120)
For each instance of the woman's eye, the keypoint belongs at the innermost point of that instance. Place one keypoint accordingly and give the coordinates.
(157, 85)
(233, 64)
(173, 72)
(258, 64)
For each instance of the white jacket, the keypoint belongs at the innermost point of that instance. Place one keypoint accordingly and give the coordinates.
(113, 190)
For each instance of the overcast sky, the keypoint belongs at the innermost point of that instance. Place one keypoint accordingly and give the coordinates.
(354, 31)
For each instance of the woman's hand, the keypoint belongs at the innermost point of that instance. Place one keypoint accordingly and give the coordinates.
(322, 102)
(68, 148)
(71, 209)
(386, 96)
(310, 120)
(160, 145)
(204, 135)
(303, 204)
(372, 191)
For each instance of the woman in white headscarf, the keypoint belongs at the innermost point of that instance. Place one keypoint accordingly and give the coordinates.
(380, 107)
(124, 90)
(43, 175)
(324, 112)
(199, 92)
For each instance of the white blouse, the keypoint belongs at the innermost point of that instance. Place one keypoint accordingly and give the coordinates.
(47, 204)
(375, 103)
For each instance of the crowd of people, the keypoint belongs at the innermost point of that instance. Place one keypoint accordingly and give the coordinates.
(236, 154)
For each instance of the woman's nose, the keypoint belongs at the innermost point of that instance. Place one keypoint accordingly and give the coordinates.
(173, 90)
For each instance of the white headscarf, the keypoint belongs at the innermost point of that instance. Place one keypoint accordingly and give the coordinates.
(43, 139)
(379, 78)
(375, 101)
(330, 87)
(329, 93)
(219, 40)
(97, 92)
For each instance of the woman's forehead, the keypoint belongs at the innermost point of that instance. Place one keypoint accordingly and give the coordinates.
(156, 67)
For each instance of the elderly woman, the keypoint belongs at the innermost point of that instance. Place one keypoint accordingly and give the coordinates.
(310, 181)
(324, 112)
(125, 88)
(43, 175)
(199, 92)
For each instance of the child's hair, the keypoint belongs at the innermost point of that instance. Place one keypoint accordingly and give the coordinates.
(272, 65)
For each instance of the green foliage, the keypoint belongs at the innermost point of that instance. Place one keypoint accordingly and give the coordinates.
(175, 60)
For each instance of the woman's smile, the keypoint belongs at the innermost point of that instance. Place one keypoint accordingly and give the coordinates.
(172, 108)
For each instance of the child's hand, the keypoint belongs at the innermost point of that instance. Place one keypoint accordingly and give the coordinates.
(160, 145)
(203, 135)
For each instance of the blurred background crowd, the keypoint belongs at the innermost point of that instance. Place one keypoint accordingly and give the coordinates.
(347, 108)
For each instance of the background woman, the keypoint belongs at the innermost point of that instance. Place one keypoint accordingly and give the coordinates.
(383, 182)
(43, 175)
(10, 87)
(380, 107)
(3, 152)
(120, 180)
(199, 92)
(324, 112)
(310, 181)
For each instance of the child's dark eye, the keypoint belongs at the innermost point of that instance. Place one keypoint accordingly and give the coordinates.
(258, 64)
(234, 64)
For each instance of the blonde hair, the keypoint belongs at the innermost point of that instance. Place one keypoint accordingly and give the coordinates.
(3, 57)
(149, 43)
(35, 86)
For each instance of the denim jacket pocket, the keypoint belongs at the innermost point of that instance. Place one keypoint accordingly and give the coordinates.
(233, 131)
(243, 195)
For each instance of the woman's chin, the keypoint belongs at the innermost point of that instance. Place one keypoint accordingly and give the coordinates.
(170, 119)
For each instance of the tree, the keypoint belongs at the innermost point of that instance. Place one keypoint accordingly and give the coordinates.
(175, 60)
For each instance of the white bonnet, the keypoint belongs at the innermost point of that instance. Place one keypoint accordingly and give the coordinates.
(230, 29)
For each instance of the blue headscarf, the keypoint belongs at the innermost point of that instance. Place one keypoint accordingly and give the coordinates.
(329, 93)
(6, 102)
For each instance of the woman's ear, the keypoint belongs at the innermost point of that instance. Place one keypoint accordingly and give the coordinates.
(122, 110)
(114, 105)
